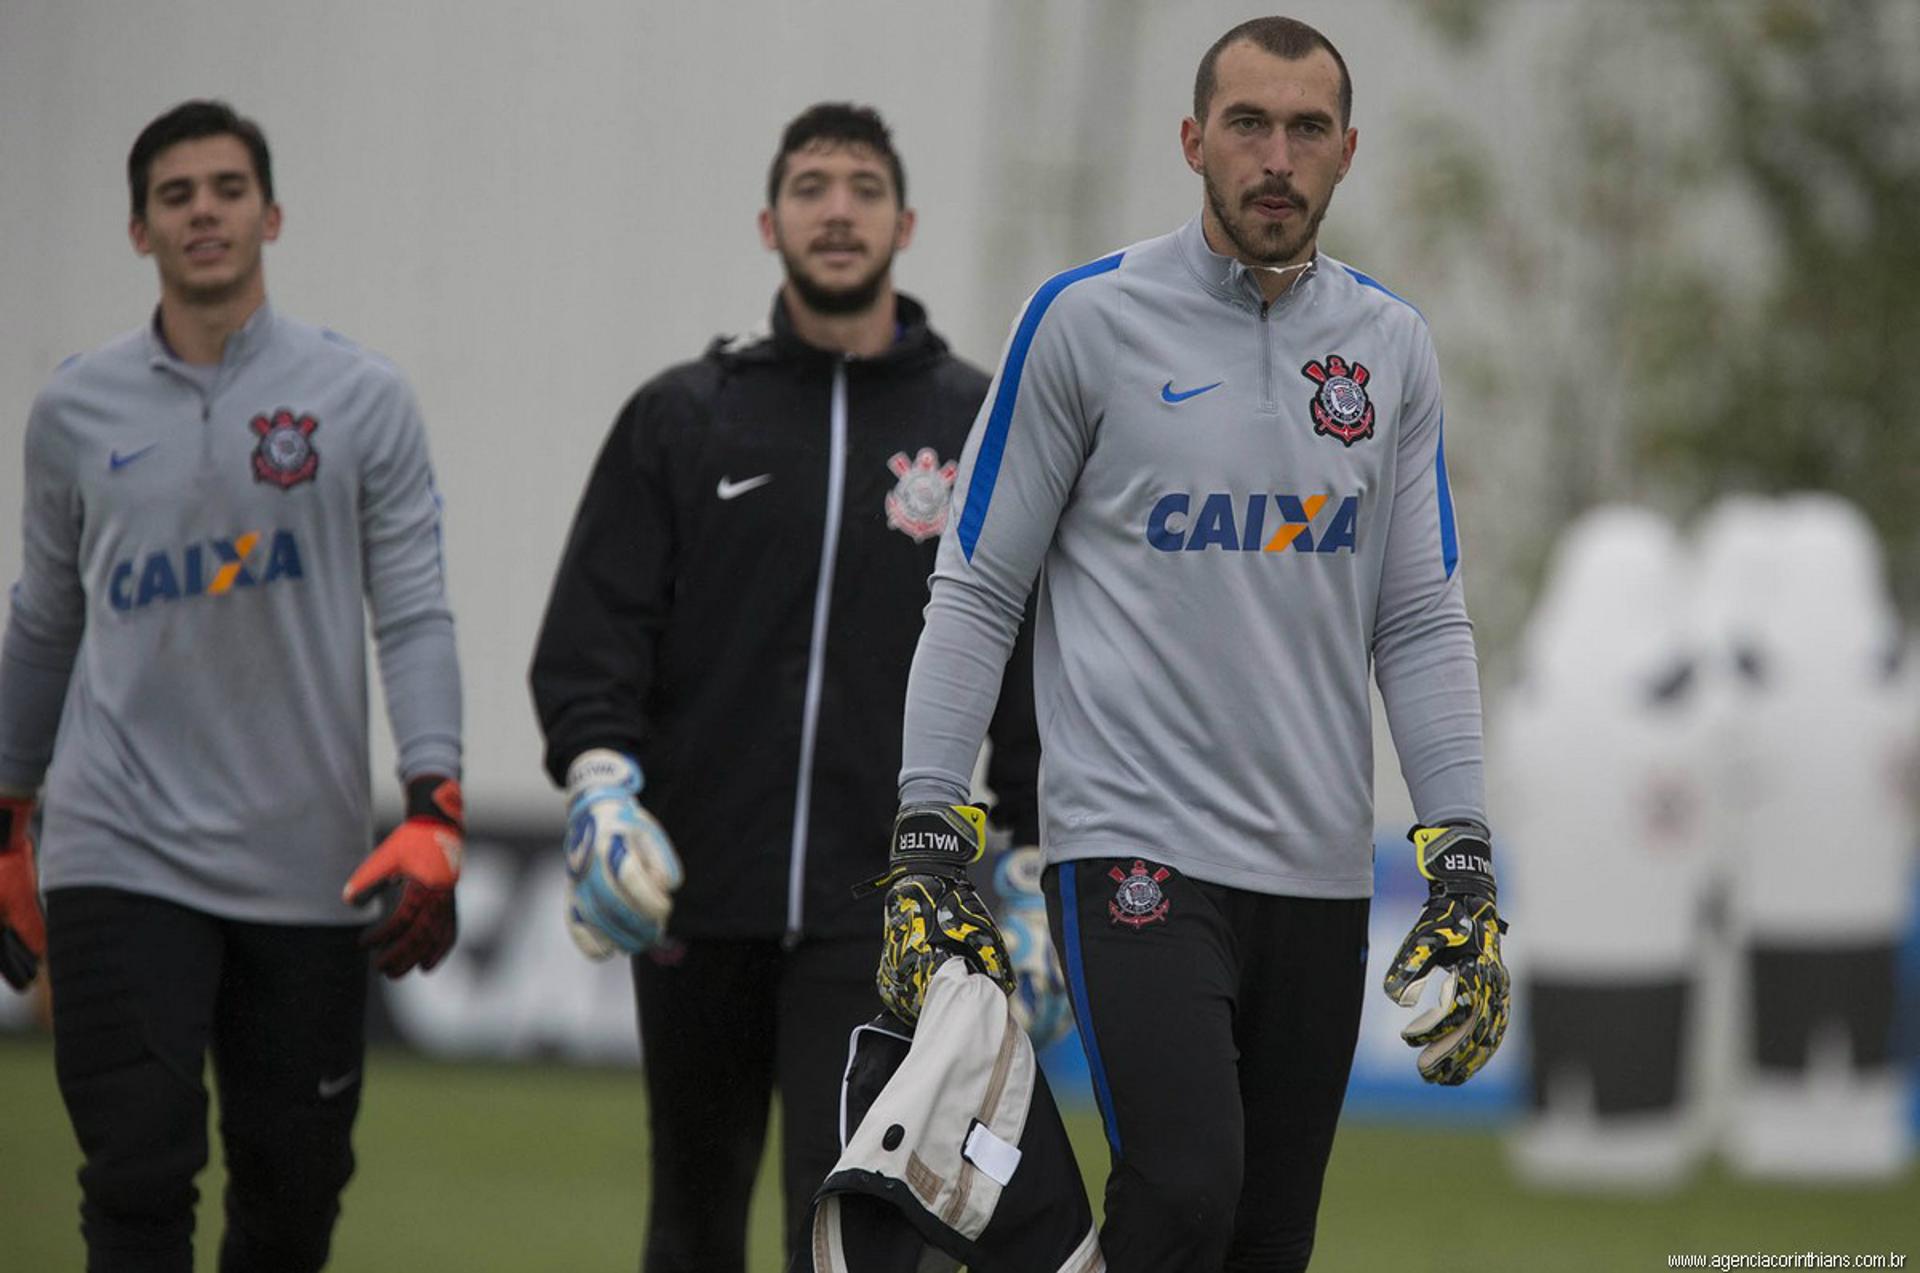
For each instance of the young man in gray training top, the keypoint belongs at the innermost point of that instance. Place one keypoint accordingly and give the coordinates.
(1220, 452)
(212, 501)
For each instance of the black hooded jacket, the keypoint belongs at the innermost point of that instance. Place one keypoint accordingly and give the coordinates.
(738, 605)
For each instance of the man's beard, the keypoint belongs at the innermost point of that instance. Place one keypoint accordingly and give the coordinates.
(837, 301)
(1271, 243)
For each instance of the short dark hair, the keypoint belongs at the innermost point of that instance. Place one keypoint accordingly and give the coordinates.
(837, 122)
(190, 121)
(1288, 38)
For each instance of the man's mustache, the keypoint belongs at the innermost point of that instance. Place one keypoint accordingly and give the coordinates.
(1275, 190)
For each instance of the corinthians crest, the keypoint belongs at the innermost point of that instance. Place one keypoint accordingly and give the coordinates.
(284, 456)
(1138, 901)
(1340, 407)
(917, 504)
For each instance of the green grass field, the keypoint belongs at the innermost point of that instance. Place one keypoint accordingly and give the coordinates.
(485, 1168)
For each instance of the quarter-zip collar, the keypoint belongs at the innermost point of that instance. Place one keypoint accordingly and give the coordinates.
(253, 336)
(1228, 279)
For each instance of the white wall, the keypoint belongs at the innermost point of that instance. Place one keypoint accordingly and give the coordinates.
(532, 208)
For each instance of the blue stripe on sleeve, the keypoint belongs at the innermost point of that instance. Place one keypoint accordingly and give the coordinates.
(1367, 281)
(1077, 988)
(993, 445)
(1449, 538)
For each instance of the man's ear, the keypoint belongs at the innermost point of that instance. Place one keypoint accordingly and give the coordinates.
(1190, 144)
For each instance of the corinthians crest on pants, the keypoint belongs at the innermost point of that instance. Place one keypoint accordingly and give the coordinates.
(1138, 901)
(284, 456)
(1340, 408)
(917, 504)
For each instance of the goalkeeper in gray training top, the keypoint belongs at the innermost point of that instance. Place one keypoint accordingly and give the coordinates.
(214, 503)
(1220, 453)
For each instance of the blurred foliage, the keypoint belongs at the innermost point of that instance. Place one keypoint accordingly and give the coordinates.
(1714, 253)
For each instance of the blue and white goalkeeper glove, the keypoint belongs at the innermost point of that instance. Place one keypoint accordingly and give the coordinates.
(1457, 935)
(621, 863)
(1040, 1001)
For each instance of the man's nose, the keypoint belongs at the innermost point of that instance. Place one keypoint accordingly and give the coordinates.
(1277, 159)
(839, 203)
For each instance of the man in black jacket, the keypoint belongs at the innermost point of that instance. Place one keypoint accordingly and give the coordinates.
(729, 634)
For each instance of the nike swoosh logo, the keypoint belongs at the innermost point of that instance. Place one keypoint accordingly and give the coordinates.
(1169, 394)
(330, 1088)
(117, 461)
(734, 490)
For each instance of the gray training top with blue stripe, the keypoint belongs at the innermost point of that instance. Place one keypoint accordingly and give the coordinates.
(200, 547)
(1235, 509)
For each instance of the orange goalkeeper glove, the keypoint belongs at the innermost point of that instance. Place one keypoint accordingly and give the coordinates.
(23, 930)
(412, 873)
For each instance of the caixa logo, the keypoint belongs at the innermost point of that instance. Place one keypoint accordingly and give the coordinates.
(1260, 522)
(208, 569)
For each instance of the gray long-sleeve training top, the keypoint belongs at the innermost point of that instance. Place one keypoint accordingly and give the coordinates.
(1235, 510)
(200, 546)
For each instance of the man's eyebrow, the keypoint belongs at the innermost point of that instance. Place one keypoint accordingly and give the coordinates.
(1251, 110)
(185, 181)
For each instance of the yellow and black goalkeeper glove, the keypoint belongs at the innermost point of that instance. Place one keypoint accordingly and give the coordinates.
(932, 913)
(1458, 934)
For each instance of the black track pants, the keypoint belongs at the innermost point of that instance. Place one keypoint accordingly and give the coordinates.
(143, 991)
(1219, 1027)
(722, 1024)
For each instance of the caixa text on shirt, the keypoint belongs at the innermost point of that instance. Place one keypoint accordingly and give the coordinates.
(1258, 522)
(210, 568)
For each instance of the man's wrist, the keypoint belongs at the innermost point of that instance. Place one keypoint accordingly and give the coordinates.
(436, 798)
(603, 769)
(938, 839)
(1455, 856)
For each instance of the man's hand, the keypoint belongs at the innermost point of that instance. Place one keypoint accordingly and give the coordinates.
(932, 912)
(622, 864)
(1458, 933)
(413, 873)
(23, 930)
(1040, 1002)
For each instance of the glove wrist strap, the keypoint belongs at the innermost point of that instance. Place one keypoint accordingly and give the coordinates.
(937, 839)
(603, 771)
(1455, 858)
(436, 799)
(932, 839)
(15, 811)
